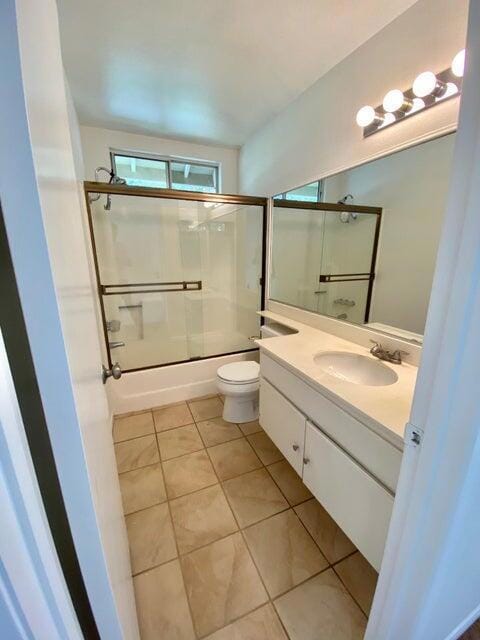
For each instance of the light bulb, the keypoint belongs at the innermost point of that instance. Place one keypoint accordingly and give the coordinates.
(452, 89)
(427, 84)
(365, 116)
(394, 100)
(418, 105)
(424, 84)
(458, 64)
(389, 118)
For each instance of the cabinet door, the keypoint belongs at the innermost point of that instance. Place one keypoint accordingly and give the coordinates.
(359, 504)
(283, 423)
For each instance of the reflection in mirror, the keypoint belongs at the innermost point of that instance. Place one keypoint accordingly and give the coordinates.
(316, 250)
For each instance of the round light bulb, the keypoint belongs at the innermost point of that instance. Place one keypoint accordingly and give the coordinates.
(424, 84)
(393, 101)
(458, 64)
(365, 116)
(388, 119)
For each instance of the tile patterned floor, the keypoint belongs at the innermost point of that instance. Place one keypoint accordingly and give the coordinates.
(225, 540)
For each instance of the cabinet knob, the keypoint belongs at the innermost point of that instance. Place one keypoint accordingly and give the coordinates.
(295, 447)
(306, 460)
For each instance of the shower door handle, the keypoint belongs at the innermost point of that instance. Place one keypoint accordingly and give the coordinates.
(115, 372)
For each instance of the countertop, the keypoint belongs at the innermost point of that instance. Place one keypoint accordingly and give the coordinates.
(385, 409)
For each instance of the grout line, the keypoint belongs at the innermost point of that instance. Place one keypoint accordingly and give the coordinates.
(178, 553)
(349, 592)
(145, 435)
(144, 466)
(129, 414)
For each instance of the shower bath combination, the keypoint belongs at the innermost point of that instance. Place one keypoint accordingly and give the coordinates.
(174, 285)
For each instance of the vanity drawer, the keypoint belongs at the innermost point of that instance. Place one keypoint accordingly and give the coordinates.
(360, 505)
(374, 453)
(283, 423)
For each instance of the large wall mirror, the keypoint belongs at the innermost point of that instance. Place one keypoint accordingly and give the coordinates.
(366, 252)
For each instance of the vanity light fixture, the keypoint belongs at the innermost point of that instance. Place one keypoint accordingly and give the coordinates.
(428, 90)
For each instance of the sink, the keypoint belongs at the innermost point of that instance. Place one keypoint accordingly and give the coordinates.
(355, 368)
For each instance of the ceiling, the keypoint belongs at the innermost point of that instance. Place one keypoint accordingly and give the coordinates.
(207, 70)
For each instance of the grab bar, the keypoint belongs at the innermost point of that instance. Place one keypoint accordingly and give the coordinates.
(183, 285)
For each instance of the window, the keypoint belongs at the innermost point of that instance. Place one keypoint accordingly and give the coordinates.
(312, 192)
(166, 173)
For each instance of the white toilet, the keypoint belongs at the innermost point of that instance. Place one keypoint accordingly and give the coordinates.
(239, 383)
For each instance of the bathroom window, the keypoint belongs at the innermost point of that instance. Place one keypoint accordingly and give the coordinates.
(166, 173)
(312, 192)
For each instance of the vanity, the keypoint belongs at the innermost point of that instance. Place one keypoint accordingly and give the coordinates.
(338, 416)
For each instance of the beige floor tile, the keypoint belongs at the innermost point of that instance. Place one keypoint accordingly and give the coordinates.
(216, 431)
(289, 481)
(233, 458)
(206, 408)
(188, 473)
(254, 496)
(202, 517)
(178, 442)
(132, 426)
(171, 416)
(333, 543)
(284, 552)
(136, 453)
(162, 605)
(222, 583)
(264, 448)
(150, 537)
(321, 609)
(250, 427)
(360, 578)
(262, 624)
(142, 488)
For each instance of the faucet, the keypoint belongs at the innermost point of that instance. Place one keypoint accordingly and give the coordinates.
(395, 357)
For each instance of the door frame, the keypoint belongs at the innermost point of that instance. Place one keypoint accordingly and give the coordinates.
(435, 528)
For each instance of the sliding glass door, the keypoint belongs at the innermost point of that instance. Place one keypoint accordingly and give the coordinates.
(179, 275)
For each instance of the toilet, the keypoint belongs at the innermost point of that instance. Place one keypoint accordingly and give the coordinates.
(239, 383)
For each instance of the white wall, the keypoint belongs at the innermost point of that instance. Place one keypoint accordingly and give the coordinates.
(97, 142)
(317, 134)
(44, 225)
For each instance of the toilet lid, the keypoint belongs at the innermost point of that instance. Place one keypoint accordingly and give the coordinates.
(245, 371)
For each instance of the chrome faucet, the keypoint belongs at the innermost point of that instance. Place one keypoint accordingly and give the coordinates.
(395, 357)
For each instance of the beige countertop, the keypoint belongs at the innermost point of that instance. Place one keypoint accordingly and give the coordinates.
(385, 409)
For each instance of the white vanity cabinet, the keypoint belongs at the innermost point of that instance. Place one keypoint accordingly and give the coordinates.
(283, 423)
(351, 470)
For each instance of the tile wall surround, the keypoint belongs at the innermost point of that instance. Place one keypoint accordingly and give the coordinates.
(225, 540)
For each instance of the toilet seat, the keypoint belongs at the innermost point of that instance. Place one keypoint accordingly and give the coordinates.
(239, 373)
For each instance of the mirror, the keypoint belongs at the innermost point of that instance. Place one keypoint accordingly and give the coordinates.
(366, 252)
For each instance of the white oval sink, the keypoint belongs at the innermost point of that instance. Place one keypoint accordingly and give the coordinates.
(355, 368)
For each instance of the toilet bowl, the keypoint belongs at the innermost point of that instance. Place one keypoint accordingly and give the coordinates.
(239, 383)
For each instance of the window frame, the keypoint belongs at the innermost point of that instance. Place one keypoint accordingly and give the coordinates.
(169, 160)
(320, 190)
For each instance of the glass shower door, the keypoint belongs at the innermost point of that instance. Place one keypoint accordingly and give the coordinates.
(346, 268)
(179, 279)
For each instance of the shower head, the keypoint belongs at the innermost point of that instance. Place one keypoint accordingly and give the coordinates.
(347, 216)
(117, 180)
(345, 198)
